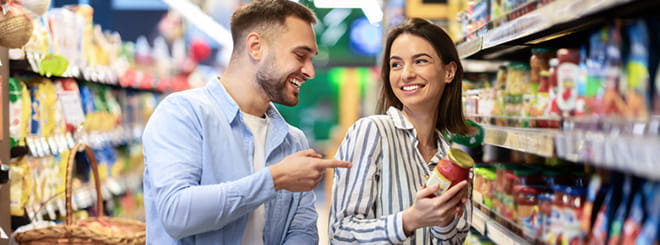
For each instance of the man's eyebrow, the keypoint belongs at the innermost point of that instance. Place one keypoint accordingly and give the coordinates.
(306, 48)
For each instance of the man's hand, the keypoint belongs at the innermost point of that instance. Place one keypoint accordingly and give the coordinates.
(302, 171)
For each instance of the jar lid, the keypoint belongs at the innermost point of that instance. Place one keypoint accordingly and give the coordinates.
(461, 158)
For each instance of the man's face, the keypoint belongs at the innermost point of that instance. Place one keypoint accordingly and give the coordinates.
(288, 62)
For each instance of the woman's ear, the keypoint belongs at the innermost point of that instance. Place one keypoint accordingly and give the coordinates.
(450, 72)
(254, 45)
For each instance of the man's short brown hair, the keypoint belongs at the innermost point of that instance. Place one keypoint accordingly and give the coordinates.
(266, 17)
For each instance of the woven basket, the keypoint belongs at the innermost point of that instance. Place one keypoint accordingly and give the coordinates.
(15, 29)
(114, 231)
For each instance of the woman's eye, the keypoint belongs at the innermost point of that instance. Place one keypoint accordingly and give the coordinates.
(395, 65)
(421, 61)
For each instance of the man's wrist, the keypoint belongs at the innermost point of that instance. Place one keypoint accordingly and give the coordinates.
(276, 175)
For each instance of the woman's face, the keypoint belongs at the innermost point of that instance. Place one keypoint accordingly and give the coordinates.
(417, 74)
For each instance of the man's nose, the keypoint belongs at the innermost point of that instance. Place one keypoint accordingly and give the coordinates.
(308, 70)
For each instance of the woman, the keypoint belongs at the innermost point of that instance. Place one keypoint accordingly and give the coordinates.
(382, 198)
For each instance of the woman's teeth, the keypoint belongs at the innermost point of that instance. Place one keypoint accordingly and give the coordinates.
(294, 82)
(411, 87)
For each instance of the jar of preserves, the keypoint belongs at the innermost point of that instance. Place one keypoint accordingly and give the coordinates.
(451, 170)
(526, 208)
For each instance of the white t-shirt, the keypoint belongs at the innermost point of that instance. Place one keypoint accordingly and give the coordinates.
(254, 231)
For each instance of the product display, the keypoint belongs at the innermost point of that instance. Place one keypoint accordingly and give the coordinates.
(582, 106)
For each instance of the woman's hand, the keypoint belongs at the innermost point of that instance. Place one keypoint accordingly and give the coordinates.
(431, 210)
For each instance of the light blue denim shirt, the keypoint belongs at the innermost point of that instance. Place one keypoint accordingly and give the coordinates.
(199, 181)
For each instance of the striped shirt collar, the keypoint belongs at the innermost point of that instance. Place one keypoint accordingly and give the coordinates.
(400, 121)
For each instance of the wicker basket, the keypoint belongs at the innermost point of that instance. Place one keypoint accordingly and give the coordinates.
(125, 231)
(15, 29)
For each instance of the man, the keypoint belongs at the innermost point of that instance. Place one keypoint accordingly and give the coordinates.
(221, 164)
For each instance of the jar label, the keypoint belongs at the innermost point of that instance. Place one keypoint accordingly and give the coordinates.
(437, 178)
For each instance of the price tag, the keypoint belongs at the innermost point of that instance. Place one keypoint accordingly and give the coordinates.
(478, 222)
(61, 206)
(52, 143)
(105, 193)
(50, 209)
(498, 236)
(71, 107)
(44, 147)
(3, 234)
(69, 140)
(61, 143)
(113, 186)
(31, 146)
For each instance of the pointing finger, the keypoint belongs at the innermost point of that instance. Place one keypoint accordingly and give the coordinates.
(332, 163)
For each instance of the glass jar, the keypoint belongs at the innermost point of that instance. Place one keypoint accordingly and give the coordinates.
(538, 62)
(451, 170)
(526, 207)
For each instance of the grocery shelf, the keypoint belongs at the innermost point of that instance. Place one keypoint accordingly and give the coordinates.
(470, 47)
(98, 74)
(554, 20)
(631, 153)
(496, 232)
(636, 154)
(531, 140)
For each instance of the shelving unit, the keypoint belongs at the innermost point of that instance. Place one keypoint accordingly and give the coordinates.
(101, 75)
(496, 232)
(557, 19)
(537, 141)
(561, 23)
(5, 221)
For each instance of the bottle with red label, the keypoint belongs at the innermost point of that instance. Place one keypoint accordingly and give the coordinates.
(568, 74)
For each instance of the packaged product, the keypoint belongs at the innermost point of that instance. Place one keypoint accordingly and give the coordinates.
(633, 224)
(603, 222)
(568, 74)
(637, 95)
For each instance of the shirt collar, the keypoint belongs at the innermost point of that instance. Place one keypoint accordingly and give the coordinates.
(230, 108)
(400, 121)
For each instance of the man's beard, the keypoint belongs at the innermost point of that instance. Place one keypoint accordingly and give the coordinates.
(274, 87)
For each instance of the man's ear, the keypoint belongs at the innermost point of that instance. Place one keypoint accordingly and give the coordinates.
(450, 72)
(254, 44)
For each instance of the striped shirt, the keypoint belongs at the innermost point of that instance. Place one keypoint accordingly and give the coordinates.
(388, 170)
